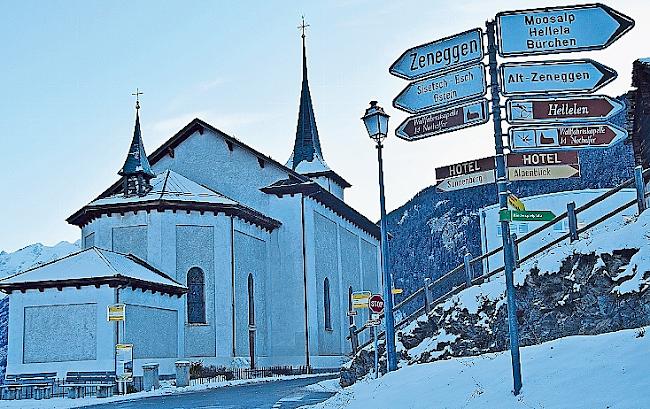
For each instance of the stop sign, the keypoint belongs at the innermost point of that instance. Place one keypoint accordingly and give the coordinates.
(376, 304)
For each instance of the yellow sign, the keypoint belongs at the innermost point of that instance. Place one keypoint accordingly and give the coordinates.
(360, 299)
(116, 312)
(397, 290)
(515, 203)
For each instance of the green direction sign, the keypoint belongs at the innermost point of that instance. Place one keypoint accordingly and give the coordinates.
(526, 215)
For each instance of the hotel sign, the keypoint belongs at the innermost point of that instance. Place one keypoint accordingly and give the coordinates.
(466, 174)
(543, 166)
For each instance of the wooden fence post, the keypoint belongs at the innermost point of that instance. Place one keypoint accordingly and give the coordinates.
(468, 269)
(573, 221)
(427, 295)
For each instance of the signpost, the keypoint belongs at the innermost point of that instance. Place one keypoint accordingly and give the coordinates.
(560, 29)
(466, 174)
(442, 90)
(515, 202)
(360, 299)
(443, 121)
(440, 55)
(540, 166)
(376, 304)
(562, 109)
(526, 215)
(576, 136)
(116, 312)
(566, 76)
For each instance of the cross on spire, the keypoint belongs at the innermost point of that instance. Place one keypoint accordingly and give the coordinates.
(303, 27)
(137, 94)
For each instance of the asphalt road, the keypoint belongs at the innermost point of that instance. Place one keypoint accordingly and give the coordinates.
(288, 394)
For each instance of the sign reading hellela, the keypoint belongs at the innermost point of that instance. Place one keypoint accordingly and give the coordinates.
(575, 136)
(443, 121)
(466, 174)
(541, 77)
(563, 109)
(560, 29)
(440, 55)
(538, 166)
(442, 90)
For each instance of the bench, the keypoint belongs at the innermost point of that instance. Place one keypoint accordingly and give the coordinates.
(77, 383)
(39, 384)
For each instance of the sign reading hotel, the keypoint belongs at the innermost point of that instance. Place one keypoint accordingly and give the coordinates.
(575, 136)
(466, 174)
(443, 121)
(560, 29)
(542, 166)
(563, 109)
(442, 90)
(554, 77)
(440, 55)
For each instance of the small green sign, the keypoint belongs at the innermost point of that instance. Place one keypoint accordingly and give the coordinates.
(526, 215)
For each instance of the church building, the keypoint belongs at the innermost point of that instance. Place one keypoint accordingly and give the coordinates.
(219, 253)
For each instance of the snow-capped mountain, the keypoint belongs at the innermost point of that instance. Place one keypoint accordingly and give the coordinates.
(32, 255)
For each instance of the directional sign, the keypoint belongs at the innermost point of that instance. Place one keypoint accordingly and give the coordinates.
(538, 166)
(560, 29)
(554, 76)
(376, 304)
(466, 174)
(515, 202)
(360, 299)
(526, 215)
(565, 109)
(397, 290)
(440, 55)
(116, 312)
(576, 136)
(443, 121)
(442, 90)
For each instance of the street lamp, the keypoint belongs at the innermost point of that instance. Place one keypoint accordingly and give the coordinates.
(376, 121)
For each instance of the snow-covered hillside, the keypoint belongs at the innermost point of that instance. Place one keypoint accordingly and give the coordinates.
(34, 254)
(579, 372)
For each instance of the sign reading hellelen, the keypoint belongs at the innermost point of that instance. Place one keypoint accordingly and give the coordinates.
(562, 109)
(440, 55)
(466, 174)
(443, 121)
(576, 136)
(560, 29)
(537, 166)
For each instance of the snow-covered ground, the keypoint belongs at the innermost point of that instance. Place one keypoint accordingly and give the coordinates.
(166, 389)
(580, 372)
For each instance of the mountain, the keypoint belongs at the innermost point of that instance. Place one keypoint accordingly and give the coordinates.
(32, 255)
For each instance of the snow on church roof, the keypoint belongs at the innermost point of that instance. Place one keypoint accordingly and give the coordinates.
(171, 186)
(93, 266)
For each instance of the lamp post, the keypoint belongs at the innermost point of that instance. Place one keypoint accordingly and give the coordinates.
(376, 122)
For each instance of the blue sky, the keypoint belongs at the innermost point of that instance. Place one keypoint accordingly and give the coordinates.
(69, 67)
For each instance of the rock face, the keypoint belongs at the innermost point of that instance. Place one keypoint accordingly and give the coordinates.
(579, 299)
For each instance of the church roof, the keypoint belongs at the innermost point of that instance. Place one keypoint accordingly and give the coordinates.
(136, 160)
(94, 266)
(171, 191)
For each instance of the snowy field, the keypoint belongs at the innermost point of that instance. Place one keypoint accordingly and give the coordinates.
(608, 371)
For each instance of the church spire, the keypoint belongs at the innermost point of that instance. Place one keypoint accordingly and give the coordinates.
(136, 169)
(307, 145)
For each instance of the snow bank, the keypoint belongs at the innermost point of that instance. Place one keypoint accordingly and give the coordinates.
(580, 372)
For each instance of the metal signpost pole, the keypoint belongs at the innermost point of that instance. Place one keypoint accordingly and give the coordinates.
(374, 336)
(388, 297)
(503, 205)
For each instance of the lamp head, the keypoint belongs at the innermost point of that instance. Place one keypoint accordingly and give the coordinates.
(376, 122)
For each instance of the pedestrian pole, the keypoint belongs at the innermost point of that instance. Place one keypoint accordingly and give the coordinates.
(502, 181)
(640, 188)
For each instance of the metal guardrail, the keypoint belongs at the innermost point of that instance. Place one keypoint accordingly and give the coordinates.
(456, 288)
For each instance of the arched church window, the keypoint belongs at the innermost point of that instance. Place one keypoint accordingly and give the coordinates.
(196, 296)
(251, 300)
(327, 304)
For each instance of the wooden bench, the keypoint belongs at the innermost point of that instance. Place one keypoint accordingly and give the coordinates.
(40, 384)
(77, 382)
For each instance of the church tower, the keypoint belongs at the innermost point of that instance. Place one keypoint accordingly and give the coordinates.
(136, 171)
(307, 157)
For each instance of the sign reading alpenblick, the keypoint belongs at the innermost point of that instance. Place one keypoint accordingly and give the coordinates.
(560, 29)
(440, 55)
(563, 109)
(443, 121)
(539, 166)
(466, 174)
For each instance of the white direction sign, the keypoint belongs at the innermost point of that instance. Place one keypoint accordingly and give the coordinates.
(442, 90)
(466, 174)
(543, 77)
(543, 166)
(560, 29)
(569, 136)
(440, 55)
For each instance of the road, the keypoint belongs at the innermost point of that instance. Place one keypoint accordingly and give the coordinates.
(288, 394)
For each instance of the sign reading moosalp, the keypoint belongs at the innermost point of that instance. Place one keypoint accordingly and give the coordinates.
(440, 55)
